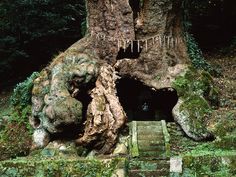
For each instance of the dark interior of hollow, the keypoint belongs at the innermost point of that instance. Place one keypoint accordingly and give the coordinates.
(135, 5)
(84, 97)
(71, 131)
(128, 53)
(144, 104)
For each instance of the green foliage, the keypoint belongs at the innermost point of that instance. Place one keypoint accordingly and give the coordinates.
(83, 27)
(142, 165)
(59, 167)
(32, 31)
(195, 53)
(15, 140)
(21, 97)
(20, 102)
(225, 125)
(207, 160)
(225, 130)
(196, 56)
(15, 135)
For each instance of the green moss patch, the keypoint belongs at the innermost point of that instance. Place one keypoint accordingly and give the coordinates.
(15, 140)
(15, 132)
(196, 105)
(208, 160)
(196, 82)
(217, 164)
(60, 167)
(22, 93)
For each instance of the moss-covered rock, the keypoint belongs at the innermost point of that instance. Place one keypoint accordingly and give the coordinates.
(196, 82)
(197, 95)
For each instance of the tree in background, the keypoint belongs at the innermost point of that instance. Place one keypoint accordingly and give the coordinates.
(32, 31)
(213, 22)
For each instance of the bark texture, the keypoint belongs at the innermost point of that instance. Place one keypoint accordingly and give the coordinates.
(138, 40)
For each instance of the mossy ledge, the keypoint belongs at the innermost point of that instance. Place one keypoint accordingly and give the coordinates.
(210, 165)
(60, 167)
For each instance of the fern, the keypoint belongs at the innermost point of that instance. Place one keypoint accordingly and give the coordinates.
(21, 97)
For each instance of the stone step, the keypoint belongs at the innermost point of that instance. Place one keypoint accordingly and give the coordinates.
(159, 154)
(151, 145)
(177, 134)
(151, 148)
(174, 129)
(144, 164)
(150, 137)
(153, 142)
(149, 168)
(154, 173)
(152, 164)
(149, 130)
(148, 123)
(173, 125)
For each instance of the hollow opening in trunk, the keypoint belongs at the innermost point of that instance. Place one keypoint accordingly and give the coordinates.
(135, 5)
(84, 97)
(144, 104)
(131, 52)
(72, 130)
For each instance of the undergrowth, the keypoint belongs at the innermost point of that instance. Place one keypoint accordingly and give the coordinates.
(20, 100)
(15, 135)
(195, 53)
(196, 56)
(21, 97)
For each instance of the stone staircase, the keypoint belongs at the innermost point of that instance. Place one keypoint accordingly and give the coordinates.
(179, 142)
(148, 168)
(149, 149)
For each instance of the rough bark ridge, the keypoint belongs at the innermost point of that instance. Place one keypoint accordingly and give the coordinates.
(152, 29)
(105, 114)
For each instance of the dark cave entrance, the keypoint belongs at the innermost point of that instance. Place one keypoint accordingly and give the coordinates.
(144, 104)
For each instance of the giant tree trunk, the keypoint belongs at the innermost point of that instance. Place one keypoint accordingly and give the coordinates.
(75, 96)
